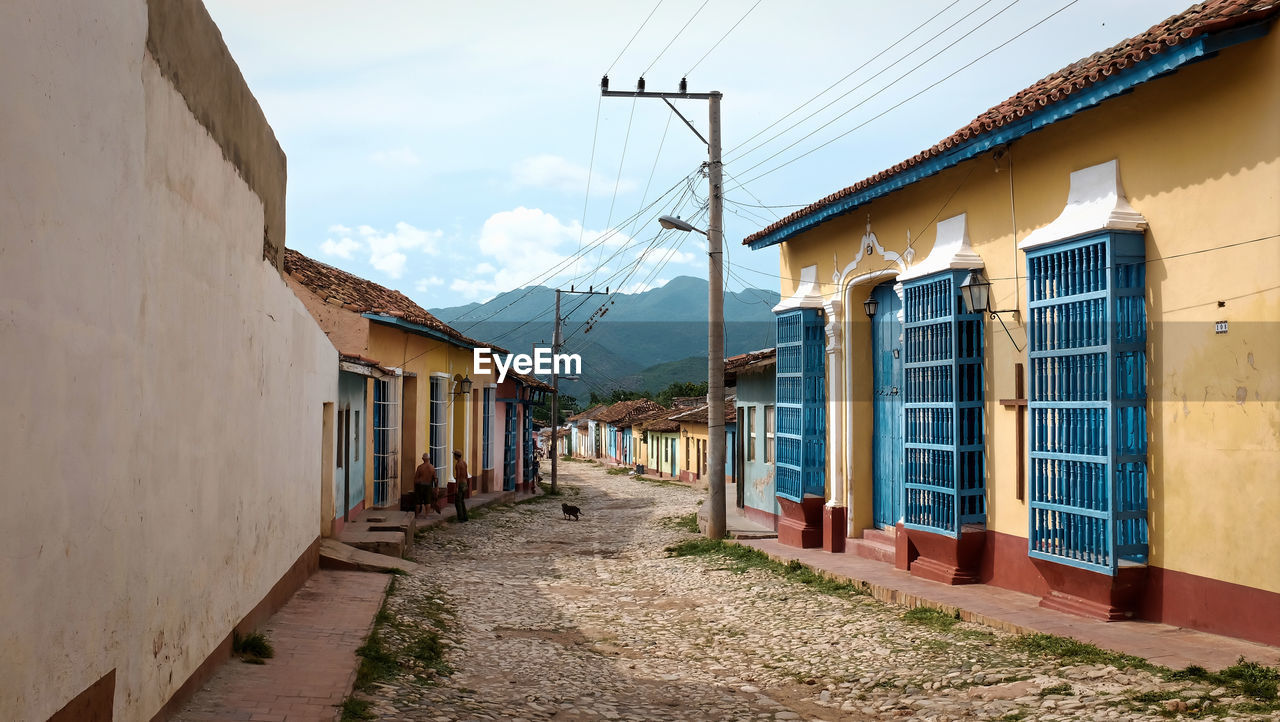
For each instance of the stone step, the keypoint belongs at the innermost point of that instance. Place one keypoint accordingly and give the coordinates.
(880, 536)
(336, 555)
(388, 520)
(390, 543)
(871, 549)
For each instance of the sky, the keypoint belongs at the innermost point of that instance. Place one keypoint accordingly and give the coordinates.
(457, 150)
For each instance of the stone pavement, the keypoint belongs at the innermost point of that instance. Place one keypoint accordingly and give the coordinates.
(315, 636)
(1168, 646)
(539, 618)
(736, 524)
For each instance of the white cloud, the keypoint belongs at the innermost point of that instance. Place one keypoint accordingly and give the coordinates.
(484, 268)
(641, 286)
(473, 289)
(402, 157)
(387, 251)
(343, 248)
(556, 173)
(425, 283)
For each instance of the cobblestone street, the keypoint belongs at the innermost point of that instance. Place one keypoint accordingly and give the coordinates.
(546, 618)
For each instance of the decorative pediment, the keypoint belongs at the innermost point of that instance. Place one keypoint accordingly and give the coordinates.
(870, 246)
(1096, 202)
(807, 294)
(951, 250)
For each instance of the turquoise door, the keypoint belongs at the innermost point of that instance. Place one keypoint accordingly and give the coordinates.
(886, 344)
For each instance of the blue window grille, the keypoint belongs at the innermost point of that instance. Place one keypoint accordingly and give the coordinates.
(438, 426)
(530, 453)
(509, 450)
(384, 447)
(1087, 337)
(486, 453)
(945, 482)
(801, 402)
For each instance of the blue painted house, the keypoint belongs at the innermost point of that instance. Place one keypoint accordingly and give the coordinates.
(752, 448)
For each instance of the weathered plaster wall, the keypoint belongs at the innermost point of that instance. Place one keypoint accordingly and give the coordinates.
(165, 389)
(755, 391)
(1199, 154)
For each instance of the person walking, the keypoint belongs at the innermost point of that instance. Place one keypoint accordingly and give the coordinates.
(464, 484)
(424, 485)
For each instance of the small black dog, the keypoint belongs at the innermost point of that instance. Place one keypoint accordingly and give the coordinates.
(570, 511)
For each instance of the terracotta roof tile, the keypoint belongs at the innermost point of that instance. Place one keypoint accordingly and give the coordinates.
(699, 414)
(336, 286)
(657, 420)
(624, 413)
(1205, 17)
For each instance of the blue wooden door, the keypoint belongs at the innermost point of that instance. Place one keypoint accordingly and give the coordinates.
(509, 450)
(886, 363)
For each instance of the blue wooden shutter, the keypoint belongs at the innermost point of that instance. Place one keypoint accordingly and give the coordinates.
(945, 481)
(530, 453)
(509, 449)
(800, 441)
(1087, 337)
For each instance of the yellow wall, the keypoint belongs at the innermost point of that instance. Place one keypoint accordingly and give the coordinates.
(396, 348)
(1199, 155)
(693, 433)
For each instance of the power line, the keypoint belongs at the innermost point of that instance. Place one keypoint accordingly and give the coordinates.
(883, 88)
(826, 90)
(674, 37)
(689, 72)
(633, 36)
(904, 101)
(626, 140)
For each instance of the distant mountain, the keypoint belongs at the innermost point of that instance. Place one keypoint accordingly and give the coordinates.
(631, 333)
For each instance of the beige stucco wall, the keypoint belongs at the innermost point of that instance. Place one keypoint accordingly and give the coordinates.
(163, 388)
(1199, 155)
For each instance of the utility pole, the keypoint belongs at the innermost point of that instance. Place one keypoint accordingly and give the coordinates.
(715, 288)
(556, 341)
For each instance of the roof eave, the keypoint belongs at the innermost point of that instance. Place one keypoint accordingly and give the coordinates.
(1192, 50)
(418, 329)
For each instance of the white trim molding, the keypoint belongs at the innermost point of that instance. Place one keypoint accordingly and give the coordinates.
(807, 294)
(1096, 202)
(951, 250)
(868, 246)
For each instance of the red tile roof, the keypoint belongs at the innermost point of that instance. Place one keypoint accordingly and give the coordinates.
(735, 365)
(624, 413)
(657, 420)
(1205, 17)
(339, 288)
(699, 415)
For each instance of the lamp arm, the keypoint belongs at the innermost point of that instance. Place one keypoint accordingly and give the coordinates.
(996, 315)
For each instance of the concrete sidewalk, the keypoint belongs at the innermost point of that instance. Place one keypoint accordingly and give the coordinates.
(1162, 644)
(737, 525)
(315, 636)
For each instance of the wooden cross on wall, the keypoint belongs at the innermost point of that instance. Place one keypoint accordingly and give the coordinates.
(1019, 403)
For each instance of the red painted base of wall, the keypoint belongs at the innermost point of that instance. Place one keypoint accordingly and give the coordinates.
(1187, 600)
(760, 516)
(903, 551)
(834, 528)
(950, 560)
(1091, 594)
(801, 524)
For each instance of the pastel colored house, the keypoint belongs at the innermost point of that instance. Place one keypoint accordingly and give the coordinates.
(169, 404)
(752, 377)
(660, 444)
(588, 436)
(617, 421)
(1120, 218)
(694, 439)
(508, 448)
(428, 399)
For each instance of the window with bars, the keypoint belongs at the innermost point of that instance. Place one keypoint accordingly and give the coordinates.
(386, 422)
(945, 477)
(486, 430)
(800, 441)
(768, 434)
(751, 434)
(1087, 349)
(439, 405)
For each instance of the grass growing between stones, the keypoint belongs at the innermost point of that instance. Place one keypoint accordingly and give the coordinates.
(618, 471)
(355, 709)
(743, 558)
(688, 522)
(405, 640)
(1076, 652)
(930, 617)
(660, 482)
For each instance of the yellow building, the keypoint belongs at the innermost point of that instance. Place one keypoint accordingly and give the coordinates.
(694, 440)
(429, 400)
(1101, 430)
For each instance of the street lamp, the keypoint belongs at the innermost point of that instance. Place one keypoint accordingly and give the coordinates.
(870, 305)
(975, 291)
(674, 223)
(464, 385)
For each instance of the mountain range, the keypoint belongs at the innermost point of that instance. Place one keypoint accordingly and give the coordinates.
(639, 341)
